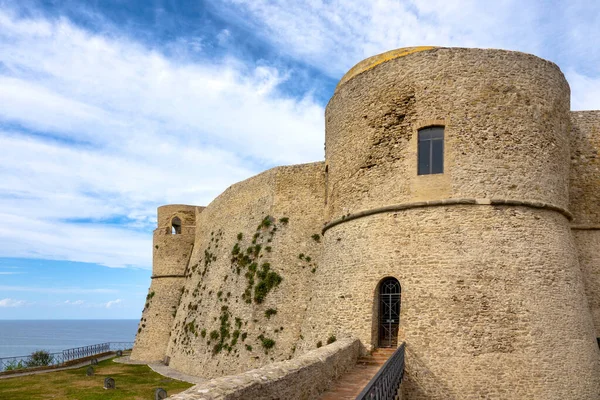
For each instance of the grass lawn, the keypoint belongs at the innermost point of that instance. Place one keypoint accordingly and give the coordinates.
(133, 382)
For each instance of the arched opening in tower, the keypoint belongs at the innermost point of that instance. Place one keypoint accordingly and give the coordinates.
(175, 226)
(388, 299)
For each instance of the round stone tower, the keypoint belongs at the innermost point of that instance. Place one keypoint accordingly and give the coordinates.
(172, 247)
(448, 171)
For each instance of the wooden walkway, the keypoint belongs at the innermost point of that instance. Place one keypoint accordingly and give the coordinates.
(353, 382)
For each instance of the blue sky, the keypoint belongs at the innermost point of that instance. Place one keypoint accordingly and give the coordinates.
(110, 108)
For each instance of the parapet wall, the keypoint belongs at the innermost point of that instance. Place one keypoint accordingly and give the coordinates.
(300, 378)
(257, 235)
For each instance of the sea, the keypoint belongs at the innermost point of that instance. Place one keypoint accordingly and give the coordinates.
(23, 337)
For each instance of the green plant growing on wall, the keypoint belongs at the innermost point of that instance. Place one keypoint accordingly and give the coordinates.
(316, 237)
(266, 222)
(259, 281)
(150, 295)
(270, 312)
(266, 342)
(240, 236)
(319, 344)
(248, 347)
(267, 280)
(203, 333)
(331, 339)
(284, 220)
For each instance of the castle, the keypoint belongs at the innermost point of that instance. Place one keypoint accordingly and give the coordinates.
(457, 210)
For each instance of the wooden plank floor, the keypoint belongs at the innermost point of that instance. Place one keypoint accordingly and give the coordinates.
(352, 382)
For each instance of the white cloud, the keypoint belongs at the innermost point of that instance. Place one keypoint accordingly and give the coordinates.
(53, 290)
(334, 35)
(585, 91)
(125, 129)
(9, 273)
(11, 303)
(74, 302)
(113, 303)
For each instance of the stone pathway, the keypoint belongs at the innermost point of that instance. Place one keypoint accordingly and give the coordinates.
(162, 369)
(353, 382)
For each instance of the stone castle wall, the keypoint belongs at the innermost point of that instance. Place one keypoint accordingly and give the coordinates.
(497, 257)
(218, 298)
(466, 271)
(585, 201)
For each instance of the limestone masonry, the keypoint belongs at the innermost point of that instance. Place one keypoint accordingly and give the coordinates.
(496, 252)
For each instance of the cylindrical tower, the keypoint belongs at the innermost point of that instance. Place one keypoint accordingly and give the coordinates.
(448, 170)
(172, 247)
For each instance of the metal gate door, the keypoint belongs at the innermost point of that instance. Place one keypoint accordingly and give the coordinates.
(389, 312)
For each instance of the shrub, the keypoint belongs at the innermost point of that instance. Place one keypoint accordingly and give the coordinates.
(266, 342)
(12, 365)
(40, 358)
(331, 339)
(266, 222)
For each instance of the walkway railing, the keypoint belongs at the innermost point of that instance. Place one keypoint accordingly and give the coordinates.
(44, 359)
(385, 384)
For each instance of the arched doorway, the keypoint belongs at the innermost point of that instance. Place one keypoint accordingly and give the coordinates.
(389, 312)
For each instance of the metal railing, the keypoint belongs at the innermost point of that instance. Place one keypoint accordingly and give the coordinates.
(385, 384)
(85, 351)
(45, 359)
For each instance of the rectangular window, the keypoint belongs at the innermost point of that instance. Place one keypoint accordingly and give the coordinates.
(431, 150)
